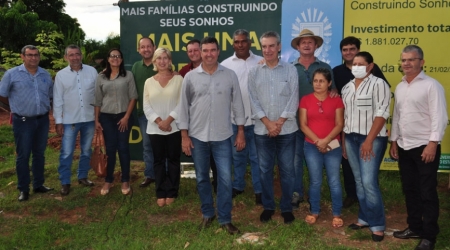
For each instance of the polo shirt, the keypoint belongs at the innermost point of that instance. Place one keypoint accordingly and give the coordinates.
(141, 73)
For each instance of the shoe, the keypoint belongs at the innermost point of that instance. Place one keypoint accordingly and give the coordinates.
(146, 182)
(65, 189)
(126, 188)
(105, 188)
(169, 201)
(349, 201)
(377, 238)
(161, 202)
(406, 234)
(258, 199)
(231, 229)
(425, 244)
(23, 196)
(288, 217)
(296, 200)
(85, 182)
(206, 222)
(266, 215)
(355, 226)
(236, 193)
(42, 189)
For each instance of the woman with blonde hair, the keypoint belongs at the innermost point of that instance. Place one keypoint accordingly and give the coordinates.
(161, 95)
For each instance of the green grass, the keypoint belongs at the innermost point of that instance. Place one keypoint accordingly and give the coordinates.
(86, 220)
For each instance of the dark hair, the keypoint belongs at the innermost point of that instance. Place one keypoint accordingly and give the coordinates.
(30, 47)
(192, 42)
(209, 39)
(366, 55)
(242, 32)
(323, 71)
(412, 48)
(72, 46)
(148, 39)
(271, 34)
(349, 41)
(107, 71)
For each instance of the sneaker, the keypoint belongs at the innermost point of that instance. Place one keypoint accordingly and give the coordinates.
(296, 199)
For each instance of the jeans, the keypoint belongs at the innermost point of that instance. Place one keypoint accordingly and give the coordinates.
(146, 144)
(298, 162)
(349, 179)
(30, 137)
(69, 139)
(240, 160)
(316, 161)
(282, 147)
(166, 149)
(116, 141)
(371, 208)
(221, 151)
(419, 182)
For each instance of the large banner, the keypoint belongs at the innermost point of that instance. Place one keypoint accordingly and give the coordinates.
(386, 27)
(171, 24)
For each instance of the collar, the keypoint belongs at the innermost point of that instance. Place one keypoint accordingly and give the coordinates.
(38, 71)
(73, 70)
(315, 61)
(420, 76)
(234, 57)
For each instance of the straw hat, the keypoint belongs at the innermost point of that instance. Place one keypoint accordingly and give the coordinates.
(306, 33)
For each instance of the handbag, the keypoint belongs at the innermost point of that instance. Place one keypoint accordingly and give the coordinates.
(99, 158)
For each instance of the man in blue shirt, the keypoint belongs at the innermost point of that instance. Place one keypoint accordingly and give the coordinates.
(28, 89)
(73, 95)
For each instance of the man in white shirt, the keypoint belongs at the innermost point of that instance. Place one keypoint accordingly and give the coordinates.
(418, 125)
(241, 62)
(73, 95)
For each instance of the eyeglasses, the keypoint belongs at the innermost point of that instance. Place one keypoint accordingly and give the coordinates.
(32, 55)
(320, 107)
(410, 60)
(115, 56)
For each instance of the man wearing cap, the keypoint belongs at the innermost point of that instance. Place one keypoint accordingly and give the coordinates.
(306, 43)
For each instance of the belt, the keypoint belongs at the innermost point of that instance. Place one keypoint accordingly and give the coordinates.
(24, 118)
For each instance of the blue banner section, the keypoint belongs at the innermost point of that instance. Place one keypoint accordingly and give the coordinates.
(321, 17)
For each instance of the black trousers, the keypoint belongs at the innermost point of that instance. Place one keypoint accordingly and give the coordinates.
(166, 152)
(419, 182)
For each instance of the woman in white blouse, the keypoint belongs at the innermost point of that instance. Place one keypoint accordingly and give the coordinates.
(366, 99)
(161, 94)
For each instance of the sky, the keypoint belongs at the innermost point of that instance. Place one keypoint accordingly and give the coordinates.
(98, 18)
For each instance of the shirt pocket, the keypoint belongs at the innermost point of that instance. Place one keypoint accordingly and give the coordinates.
(364, 102)
(284, 89)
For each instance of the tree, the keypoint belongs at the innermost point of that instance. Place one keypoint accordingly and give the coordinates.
(20, 27)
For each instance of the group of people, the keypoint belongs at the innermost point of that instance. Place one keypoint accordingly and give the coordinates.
(246, 108)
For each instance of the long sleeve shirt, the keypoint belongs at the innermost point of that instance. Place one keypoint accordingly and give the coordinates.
(274, 94)
(73, 94)
(161, 102)
(206, 102)
(420, 112)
